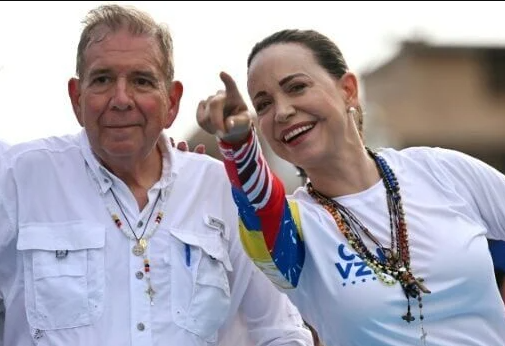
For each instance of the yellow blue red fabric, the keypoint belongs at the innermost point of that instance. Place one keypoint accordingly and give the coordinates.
(270, 227)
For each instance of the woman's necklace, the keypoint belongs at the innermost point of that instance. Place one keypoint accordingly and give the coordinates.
(396, 267)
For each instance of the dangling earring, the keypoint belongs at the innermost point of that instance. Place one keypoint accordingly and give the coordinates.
(358, 119)
(302, 174)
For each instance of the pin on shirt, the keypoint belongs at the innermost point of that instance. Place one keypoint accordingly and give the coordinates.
(60, 254)
(215, 223)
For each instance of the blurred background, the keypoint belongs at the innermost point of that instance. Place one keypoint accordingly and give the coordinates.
(428, 94)
(430, 73)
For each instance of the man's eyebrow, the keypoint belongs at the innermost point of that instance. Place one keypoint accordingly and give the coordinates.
(144, 73)
(99, 71)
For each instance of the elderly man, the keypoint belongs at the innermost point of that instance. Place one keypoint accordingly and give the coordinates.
(111, 236)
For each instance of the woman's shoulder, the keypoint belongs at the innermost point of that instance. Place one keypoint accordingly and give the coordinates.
(426, 154)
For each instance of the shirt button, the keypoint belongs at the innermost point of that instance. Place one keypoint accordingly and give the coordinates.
(106, 181)
(139, 275)
(141, 326)
(140, 224)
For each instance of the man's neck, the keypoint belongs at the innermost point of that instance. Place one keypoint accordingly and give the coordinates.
(139, 174)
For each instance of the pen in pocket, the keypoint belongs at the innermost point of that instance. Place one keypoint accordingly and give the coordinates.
(188, 254)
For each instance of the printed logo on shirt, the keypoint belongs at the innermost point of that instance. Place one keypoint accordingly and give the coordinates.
(352, 269)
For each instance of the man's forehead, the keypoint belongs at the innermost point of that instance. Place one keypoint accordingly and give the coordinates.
(103, 34)
(119, 50)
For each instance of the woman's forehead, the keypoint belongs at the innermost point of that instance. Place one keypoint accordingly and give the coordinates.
(281, 59)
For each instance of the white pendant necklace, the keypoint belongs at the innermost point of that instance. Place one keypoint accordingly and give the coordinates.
(140, 247)
(141, 241)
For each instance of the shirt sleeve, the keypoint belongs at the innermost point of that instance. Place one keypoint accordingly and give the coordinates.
(270, 227)
(271, 318)
(7, 232)
(6, 227)
(481, 185)
(7, 206)
(266, 315)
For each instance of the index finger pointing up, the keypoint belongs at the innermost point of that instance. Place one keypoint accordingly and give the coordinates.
(234, 98)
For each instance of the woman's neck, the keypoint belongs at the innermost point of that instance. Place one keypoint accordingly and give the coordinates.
(344, 174)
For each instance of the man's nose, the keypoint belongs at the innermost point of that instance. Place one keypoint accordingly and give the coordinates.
(122, 99)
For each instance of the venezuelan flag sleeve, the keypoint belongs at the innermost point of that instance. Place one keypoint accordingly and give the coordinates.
(270, 227)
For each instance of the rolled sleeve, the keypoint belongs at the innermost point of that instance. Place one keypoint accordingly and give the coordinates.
(271, 318)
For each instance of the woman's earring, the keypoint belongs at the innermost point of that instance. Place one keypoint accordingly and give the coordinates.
(351, 111)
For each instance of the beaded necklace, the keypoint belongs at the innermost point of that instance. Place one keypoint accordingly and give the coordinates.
(140, 248)
(141, 244)
(396, 267)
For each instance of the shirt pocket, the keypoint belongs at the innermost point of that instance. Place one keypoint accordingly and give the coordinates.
(63, 272)
(200, 294)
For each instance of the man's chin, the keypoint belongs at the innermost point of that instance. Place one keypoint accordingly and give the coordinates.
(120, 149)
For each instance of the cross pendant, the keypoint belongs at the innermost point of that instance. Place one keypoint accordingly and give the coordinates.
(423, 336)
(150, 292)
(408, 317)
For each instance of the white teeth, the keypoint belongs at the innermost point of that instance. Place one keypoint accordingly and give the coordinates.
(296, 132)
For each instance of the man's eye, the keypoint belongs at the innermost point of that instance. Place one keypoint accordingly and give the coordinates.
(101, 80)
(143, 82)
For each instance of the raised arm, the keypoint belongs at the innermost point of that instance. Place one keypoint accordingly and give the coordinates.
(270, 226)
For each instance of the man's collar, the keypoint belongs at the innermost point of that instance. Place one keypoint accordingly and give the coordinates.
(105, 178)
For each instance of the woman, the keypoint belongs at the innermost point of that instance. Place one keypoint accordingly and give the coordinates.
(379, 248)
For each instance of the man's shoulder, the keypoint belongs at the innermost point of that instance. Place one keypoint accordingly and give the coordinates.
(202, 161)
(203, 172)
(41, 148)
(3, 146)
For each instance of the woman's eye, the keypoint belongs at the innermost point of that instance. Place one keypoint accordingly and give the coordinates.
(297, 87)
(261, 106)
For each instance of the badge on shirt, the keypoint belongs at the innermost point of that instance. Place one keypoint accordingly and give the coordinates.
(214, 222)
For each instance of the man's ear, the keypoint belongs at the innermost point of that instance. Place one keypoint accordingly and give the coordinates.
(74, 92)
(174, 95)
